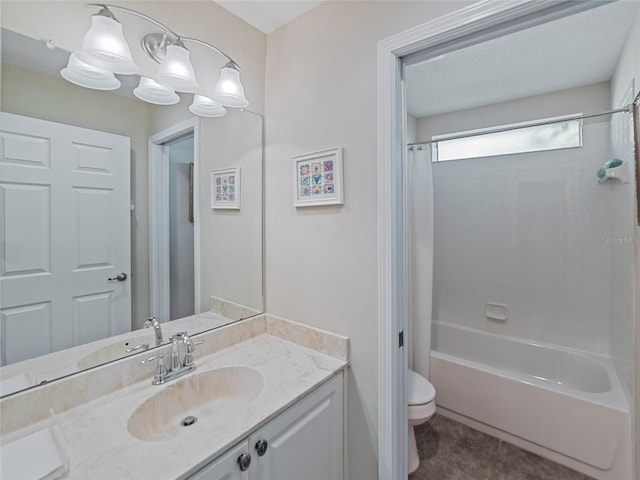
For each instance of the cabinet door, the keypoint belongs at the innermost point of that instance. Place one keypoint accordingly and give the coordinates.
(225, 467)
(304, 442)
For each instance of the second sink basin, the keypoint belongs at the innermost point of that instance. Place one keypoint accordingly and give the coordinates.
(206, 396)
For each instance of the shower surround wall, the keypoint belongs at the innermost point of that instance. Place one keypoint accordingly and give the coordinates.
(624, 240)
(528, 230)
(625, 323)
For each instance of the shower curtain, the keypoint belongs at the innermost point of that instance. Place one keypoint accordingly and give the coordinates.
(419, 201)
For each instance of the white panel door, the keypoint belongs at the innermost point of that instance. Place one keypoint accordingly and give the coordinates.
(64, 232)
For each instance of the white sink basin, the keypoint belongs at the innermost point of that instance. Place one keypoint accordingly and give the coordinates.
(208, 396)
(117, 350)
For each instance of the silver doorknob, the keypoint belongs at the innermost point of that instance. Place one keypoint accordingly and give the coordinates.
(121, 277)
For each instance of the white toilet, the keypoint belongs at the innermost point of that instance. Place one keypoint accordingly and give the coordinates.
(421, 397)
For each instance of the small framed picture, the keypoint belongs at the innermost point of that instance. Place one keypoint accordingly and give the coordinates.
(225, 188)
(317, 178)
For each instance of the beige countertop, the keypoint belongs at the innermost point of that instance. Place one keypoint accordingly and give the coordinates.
(101, 446)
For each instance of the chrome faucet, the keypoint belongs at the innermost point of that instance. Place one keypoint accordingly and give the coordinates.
(189, 346)
(152, 322)
(176, 369)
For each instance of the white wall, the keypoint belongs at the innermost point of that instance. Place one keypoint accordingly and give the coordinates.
(625, 328)
(587, 99)
(322, 261)
(412, 128)
(231, 240)
(526, 230)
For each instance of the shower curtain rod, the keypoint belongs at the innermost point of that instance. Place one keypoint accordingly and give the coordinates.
(625, 109)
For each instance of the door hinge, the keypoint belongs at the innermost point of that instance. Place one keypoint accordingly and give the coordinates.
(401, 339)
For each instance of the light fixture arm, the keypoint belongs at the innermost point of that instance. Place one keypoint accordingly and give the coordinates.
(215, 49)
(105, 48)
(108, 6)
(178, 38)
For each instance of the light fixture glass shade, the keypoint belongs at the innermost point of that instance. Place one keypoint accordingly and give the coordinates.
(176, 71)
(104, 47)
(205, 107)
(152, 92)
(229, 90)
(88, 76)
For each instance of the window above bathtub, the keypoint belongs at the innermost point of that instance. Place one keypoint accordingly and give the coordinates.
(540, 135)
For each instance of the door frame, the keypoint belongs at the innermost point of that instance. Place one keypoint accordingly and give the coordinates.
(468, 26)
(159, 274)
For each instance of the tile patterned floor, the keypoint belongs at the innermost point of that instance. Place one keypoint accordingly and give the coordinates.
(452, 451)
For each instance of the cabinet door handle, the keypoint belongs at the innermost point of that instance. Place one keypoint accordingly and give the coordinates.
(244, 461)
(261, 447)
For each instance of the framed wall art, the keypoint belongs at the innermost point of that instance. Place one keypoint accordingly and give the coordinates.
(225, 188)
(317, 178)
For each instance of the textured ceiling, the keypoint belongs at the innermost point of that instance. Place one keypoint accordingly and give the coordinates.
(578, 50)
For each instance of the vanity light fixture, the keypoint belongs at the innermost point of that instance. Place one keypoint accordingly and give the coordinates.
(104, 45)
(229, 90)
(176, 71)
(152, 92)
(205, 107)
(88, 76)
(106, 49)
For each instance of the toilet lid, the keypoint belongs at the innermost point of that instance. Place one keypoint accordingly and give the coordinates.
(419, 390)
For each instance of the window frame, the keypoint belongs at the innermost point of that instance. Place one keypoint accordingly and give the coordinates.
(533, 124)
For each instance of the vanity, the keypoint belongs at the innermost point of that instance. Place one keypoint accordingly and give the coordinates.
(304, 441)
(266, 401)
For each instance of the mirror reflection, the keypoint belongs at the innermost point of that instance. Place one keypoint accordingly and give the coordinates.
(124, 229)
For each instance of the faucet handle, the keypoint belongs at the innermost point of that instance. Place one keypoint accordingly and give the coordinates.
(161, 370)
(189, 348)
(143, 346)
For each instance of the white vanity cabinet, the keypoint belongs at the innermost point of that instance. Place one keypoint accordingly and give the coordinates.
(225, 467)
(304, 442)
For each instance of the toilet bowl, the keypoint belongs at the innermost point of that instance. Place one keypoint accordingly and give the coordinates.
(421, 398)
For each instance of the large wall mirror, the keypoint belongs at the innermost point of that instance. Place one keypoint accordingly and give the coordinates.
(192, 266)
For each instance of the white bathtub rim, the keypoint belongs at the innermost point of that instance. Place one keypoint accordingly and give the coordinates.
(612, 399)
(603, 359)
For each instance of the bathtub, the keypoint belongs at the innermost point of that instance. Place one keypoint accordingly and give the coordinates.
(557, 402)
